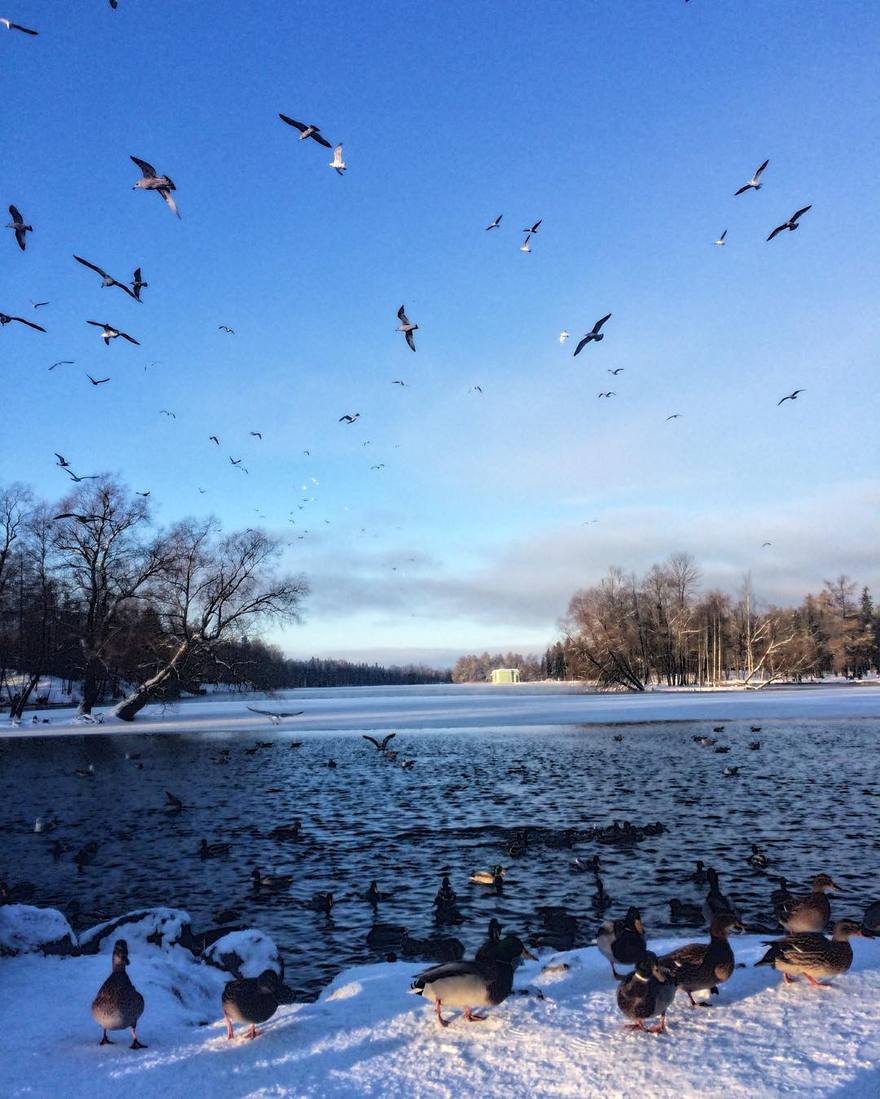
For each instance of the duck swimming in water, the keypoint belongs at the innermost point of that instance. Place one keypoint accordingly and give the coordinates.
(810, 912)
(270, 881)
(469, 985)
(758, 859)
(251, 1000)
(699, 967)
(213, 850)
(494, 876)
(648, 991)
(812, 955)
(716, 901)
(118, 1004)
(623, 940)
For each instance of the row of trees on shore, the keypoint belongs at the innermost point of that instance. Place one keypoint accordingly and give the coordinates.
(662, 628)
(93, 593)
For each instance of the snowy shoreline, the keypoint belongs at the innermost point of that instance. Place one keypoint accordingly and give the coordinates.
(468, 708)
(367, 1035)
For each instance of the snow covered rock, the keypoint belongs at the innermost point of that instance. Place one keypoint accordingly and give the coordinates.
(28, 930)
(154, 926)
(245, 954)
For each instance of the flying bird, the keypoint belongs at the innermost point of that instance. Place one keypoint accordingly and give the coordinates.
(214, 439)
(19, 226)
(166, 412)
(525, 246)
(593, 334)
(80, 518)
(144, 494)
(790, 397)
(138, 284)
(275, 716)
(314, 132)
(563, 335)
(153, 182)
(495, 223)
(721, 241)
(764, 545)
(337, 162)
(382, 745)
(534, 228)
(610, 393)
(398, 382)
(110, 333)
(63, 362)
(406, 327)
(39, 304)
(235, 461)
(792, 222)
(381, 465)
(97, 381)
(76, 480)
(674, 416)
(616, 371)
(256, 434)
(226, 328)
(106, 280)
(5, 318)
(348, 419)
(62, 461)
(476, 389)
(754, 183)
(10, 26)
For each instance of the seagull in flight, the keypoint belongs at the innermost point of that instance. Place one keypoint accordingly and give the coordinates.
(151, 181)
(276, 716)
(166, 412)
(19, 226)
(144, 494)
(381, 465)
(106, 280)
(226, 328)
(213, 439)
(674, 416)
(593, 334)
(616, 371)
(348, 419)
(73, 476)
(39, 304)
(256, 434)
(534, 228)
(792, 222)
(314, 132)
(63, 362)
(791, 396)
(397, 381)
(5, 318)
(406, 327)
(62, 462)
(721, 241)
(495, 223)
(337, 162)
(754, 183)
(110, 333)
(10, 26)
(96, 381)
(525, 246)
(764, 545)
(563, 335)
(610, 393)
(138, 284)
(235, 461)
(476, 389)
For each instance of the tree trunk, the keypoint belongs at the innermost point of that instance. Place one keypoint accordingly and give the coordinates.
(17, 708)
(131, 706)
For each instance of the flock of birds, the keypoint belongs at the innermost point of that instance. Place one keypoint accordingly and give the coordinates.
(645, 993)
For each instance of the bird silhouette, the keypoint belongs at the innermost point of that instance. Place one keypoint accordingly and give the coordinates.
(791, 397)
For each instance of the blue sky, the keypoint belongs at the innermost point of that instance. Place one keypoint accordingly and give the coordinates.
(626, 127)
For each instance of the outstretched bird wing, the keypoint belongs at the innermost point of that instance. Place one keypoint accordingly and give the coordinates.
(387, 740)
(92, 267)
(130, 339)
(408, 336)
(778, 230)
(760, 171)
(798, 213)
(583, 343)
(16, 216)
(301, 126)
(30, 324)
(372, 740)
(599, 324)
(149, 172)
(315, 136)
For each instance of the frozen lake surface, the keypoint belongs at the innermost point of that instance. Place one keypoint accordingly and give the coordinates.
(490, 765)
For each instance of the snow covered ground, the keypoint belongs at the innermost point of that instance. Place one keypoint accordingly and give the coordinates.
(471, 707)
(368, 1036)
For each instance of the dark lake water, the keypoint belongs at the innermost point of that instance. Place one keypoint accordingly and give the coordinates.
(810, 797)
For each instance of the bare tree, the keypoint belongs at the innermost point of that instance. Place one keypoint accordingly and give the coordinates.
(211, 590)
(110, 558)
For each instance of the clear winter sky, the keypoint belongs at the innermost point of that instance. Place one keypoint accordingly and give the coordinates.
(626, 126)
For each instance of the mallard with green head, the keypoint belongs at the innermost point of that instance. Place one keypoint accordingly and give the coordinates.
(623, 940)
(810, 912)
(486, 982)
(813, 956)
(698, 967)
(118, 1004)
(647, 991)
(495, 876)
(251, 1000)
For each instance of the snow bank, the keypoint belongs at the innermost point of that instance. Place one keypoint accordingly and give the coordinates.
(155, 926)
(369, 1036)
(25, 930)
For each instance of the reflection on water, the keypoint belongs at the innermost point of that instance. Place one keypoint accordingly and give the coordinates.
(809, 797)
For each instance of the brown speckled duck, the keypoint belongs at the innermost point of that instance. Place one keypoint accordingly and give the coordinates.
(812, 955)
(118, 1005)
(810, 912)
(250, 1000)
(698, 967)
